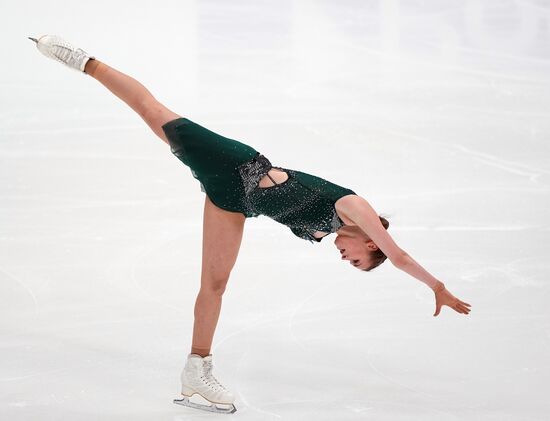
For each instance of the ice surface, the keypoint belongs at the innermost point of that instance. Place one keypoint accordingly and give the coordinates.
(434, 111)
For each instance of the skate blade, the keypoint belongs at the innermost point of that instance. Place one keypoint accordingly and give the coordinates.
(212, 407)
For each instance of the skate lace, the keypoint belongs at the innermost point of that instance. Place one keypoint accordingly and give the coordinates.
(66, 49)
(210, 377)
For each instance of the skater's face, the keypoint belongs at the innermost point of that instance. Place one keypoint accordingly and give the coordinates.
(356, 249)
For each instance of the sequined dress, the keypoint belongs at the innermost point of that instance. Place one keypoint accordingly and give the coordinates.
(229, 172)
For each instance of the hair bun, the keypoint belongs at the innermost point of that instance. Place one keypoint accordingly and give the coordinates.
(385, 222)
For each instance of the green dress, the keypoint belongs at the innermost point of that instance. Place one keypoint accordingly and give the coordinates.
(229, 172)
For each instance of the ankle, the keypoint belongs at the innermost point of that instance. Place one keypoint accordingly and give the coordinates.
(203, 352)
(91, 66)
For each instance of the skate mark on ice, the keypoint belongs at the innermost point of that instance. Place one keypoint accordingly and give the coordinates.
(138, 257)
(449, 67)
(40, 373)
(72, 130)
(295, 312)
(513, 167)
(452, 192)
(22, 284)
(391, 380)
(243, 396)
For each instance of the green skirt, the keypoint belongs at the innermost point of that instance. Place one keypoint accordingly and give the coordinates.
(214, 160)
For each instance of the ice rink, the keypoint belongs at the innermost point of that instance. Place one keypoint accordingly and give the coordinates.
(435, 111)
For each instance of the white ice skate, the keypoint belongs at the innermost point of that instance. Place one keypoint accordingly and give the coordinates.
(197, 378)
(60, 50)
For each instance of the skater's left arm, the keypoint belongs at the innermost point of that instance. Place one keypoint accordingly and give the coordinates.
(361, 212)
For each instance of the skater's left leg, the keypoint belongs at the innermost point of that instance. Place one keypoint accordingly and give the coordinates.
(133, 93)
(222, 235)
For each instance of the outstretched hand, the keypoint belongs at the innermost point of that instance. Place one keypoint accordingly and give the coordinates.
(444, 298)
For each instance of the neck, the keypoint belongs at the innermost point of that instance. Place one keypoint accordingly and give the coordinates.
(352, 231)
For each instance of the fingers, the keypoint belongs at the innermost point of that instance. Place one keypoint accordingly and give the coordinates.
(453, 302)
(461, 308)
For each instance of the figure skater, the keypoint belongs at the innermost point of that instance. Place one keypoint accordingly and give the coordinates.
(240, 183)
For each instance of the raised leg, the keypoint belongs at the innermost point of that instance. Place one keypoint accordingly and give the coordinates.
(134, 94)
(222, 235)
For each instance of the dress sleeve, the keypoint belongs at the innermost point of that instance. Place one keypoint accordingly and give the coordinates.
(304, 234)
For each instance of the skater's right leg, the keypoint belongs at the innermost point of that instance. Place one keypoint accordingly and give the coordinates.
(123, 86)
(134, 94)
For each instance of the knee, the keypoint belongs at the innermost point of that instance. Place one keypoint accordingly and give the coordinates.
(214, 284)
(155, 113)
(149, 109)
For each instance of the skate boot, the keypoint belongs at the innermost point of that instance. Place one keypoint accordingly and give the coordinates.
(197, 378)
(60, 50)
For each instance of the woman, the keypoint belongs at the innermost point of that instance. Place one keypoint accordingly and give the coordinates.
(239, 182)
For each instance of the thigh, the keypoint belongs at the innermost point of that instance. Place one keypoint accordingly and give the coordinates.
(222, 235)
(156, 115)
